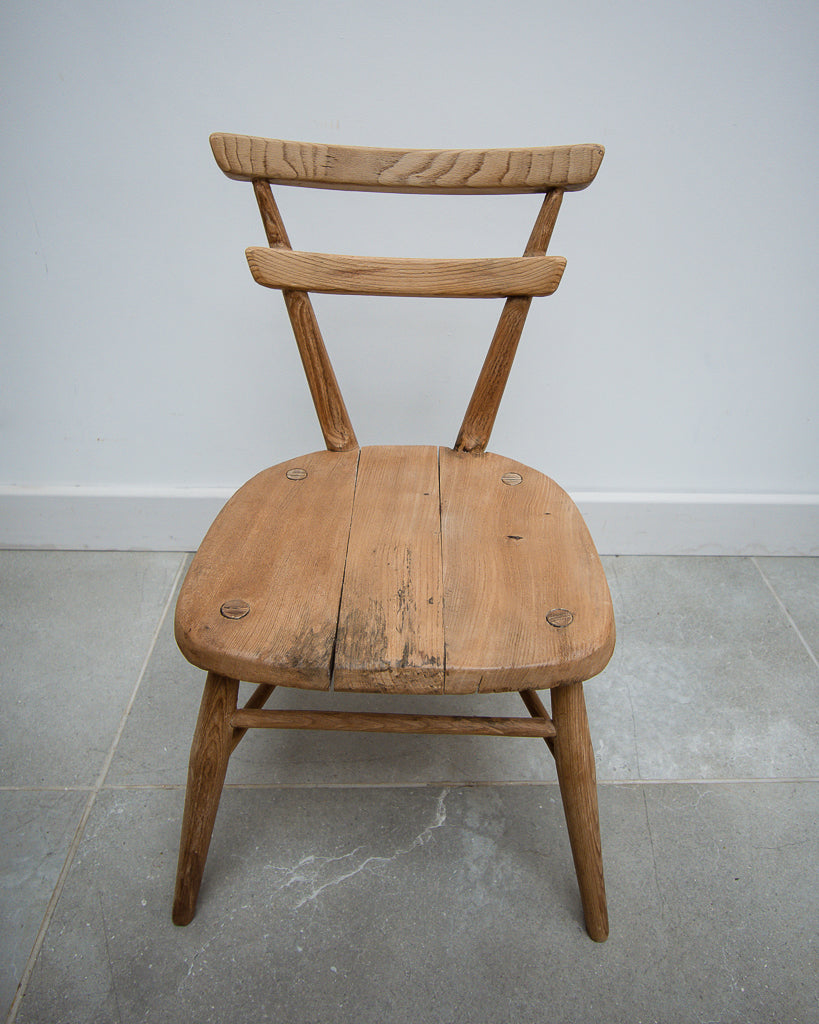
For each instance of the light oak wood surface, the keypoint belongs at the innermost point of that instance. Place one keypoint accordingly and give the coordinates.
(406, 570)
(483, 406)
(258, 699)
(450, 278)
(333, 418)
(412, 570)
(391, 627)
(210, 753)
(362, 721)
(445, 171)
(290, 578)
(513, 553)
(574, 760)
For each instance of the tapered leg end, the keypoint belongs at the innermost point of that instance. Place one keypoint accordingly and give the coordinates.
(182, 913)
(598, 927)
(188, 880)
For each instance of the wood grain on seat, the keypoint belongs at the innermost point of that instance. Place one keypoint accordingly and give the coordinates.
(278, 545)
(517, 554)
(409, 570)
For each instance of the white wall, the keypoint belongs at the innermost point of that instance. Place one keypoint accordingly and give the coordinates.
(672, 377)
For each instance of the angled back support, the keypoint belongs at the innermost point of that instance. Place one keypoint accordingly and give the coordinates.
(551, 171)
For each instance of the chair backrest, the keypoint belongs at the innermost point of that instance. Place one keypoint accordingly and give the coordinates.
(551, 171)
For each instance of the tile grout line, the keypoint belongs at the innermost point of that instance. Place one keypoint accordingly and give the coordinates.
(785, 611)
(179, 787)
(477, 784)
(46, 789)
(89, 806)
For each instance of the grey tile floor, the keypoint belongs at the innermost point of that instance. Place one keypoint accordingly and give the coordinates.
(408, 879)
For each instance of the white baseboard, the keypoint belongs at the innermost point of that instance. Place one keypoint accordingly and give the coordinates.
(626, 524)
(107, 518)
(702, 524)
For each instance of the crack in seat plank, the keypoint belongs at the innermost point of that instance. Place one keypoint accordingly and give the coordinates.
(391, 632)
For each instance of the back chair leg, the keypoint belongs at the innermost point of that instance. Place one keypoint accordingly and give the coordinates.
(210, 752)
(574, 758)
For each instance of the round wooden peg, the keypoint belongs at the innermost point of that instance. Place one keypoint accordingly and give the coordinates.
(235, 609)
(296, 474)
(559, 617)
(513, 479)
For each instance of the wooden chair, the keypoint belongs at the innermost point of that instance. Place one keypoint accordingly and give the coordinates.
(412, 570)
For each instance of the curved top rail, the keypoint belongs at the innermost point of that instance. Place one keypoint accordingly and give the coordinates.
(443, 171)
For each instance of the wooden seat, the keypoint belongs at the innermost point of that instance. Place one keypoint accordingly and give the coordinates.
(397, 569)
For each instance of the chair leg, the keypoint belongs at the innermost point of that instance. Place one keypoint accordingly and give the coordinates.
(210, 752)
(574, 758)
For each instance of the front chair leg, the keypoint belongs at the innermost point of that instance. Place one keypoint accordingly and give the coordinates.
(210, 752)
(574, 758)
